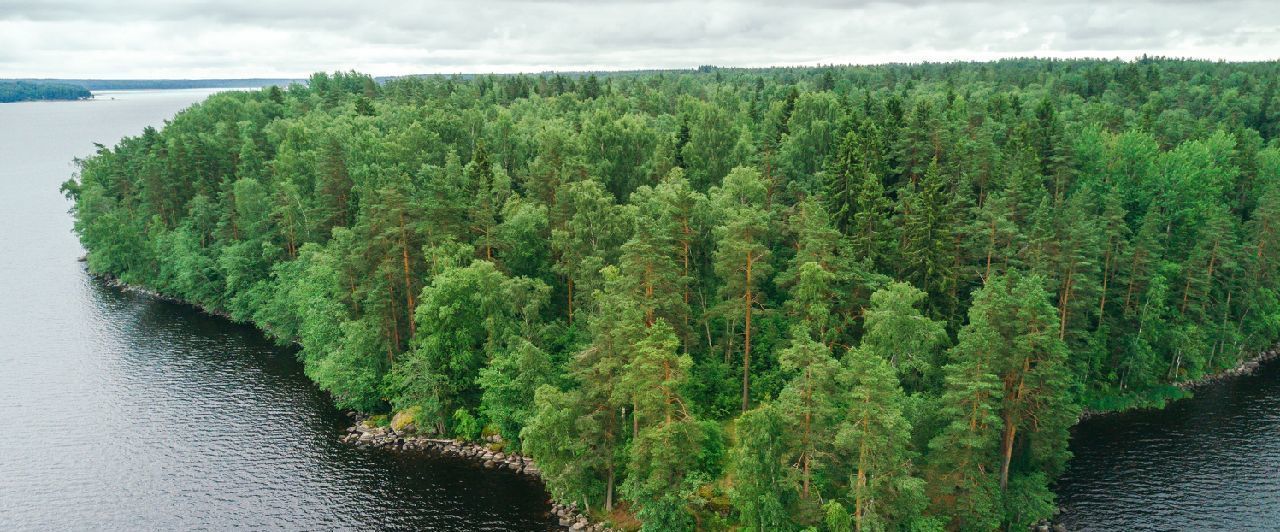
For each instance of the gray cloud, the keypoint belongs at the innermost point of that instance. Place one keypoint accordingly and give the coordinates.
(232, 38)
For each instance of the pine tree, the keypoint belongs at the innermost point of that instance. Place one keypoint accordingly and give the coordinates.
(661, 455)
(961, 456)
(1264, 228)
(896, 330)
(589, 230)
(763, 489)
(995, 238)
(1114, 235)
(1074, 252)
(655, 260)
(809, 402)
(876, 436)
(816, 273)
(335, 186)
(1037, 381)
(742, 255)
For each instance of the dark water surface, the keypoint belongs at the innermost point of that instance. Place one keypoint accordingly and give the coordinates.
(1211, 462)
(125, 413)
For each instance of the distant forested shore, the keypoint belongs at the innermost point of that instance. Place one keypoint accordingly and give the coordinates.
(159, 84)
(25, 91)
(832, 298)
(21, 90)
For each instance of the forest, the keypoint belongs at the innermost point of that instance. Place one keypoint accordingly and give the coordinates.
(829, 298)
(25, 91)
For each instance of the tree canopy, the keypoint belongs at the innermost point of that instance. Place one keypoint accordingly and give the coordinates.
(834, 298)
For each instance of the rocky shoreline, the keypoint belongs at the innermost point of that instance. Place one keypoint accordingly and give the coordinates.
(1245, 367)
(115, 282)
(364, 435)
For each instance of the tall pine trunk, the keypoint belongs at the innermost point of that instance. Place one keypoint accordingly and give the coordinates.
(408, 287)
(746, 347)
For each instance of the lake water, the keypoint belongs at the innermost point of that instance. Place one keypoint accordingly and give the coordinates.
(127, 413)
(1211, 462)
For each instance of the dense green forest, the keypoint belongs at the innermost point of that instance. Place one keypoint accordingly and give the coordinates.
(24, 91)
(871, 298)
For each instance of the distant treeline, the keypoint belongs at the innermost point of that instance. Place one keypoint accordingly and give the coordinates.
(25, 91)
(141, 84)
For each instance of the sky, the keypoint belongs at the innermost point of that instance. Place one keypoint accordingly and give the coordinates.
(136, 39)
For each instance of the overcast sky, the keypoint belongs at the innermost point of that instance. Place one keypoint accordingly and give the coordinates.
(291, 38)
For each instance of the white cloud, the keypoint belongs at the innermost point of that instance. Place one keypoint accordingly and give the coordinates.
(238, 38)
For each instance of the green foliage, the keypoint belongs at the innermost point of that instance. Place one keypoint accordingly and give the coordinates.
(465, 425)
(810, 402)
(559, 434)
(763, 488)
(658, 473)
(897, 332)
(23, 91)
(836, 517)
(586, 265)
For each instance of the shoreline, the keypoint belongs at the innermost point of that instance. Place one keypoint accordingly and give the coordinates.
(362, 435)
(115, 282)
(568, 517)
(1248, 366)
(1245, 367)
